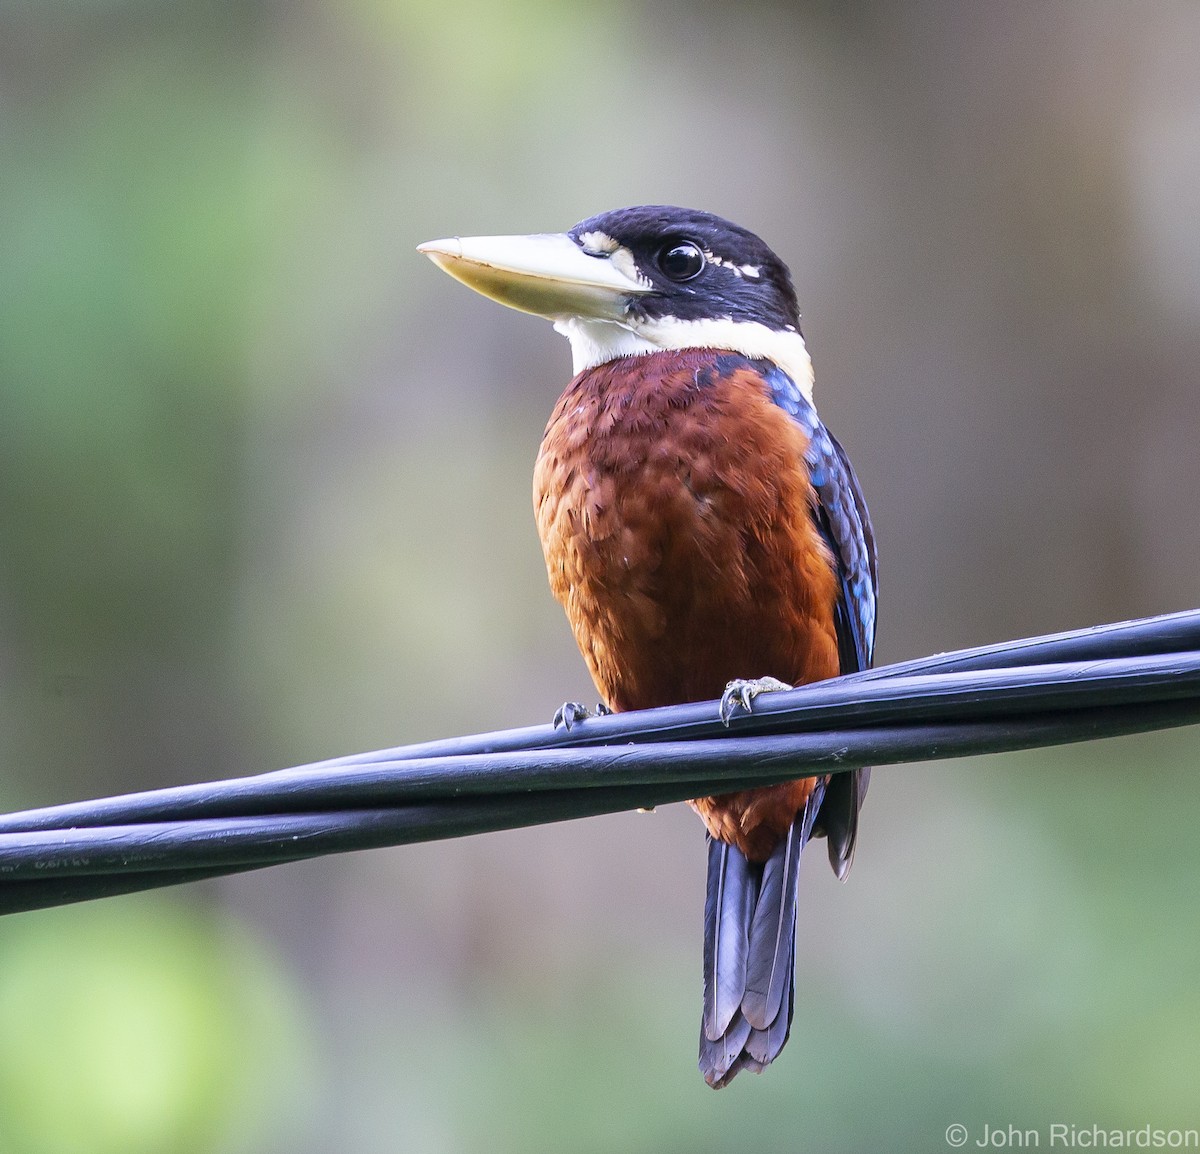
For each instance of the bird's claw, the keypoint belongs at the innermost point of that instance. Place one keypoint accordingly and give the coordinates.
(572, 712)
(742, 693)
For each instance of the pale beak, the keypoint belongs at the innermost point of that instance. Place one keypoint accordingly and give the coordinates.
(546, 274)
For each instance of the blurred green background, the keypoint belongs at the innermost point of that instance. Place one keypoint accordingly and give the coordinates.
(264, 498)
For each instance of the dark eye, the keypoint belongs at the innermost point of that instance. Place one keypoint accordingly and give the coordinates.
(681, 260)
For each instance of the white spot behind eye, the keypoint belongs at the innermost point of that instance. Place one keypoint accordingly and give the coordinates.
(750, 270)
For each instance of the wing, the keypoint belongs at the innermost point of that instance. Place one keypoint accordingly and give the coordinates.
(841, 516)
(846, 526)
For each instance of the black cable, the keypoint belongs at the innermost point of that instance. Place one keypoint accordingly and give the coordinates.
(412, 773)
(1148, 636)
(1133, 677)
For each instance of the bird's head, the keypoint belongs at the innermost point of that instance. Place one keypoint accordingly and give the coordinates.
(638, 280)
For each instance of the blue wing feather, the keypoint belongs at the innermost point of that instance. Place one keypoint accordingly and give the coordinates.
(842, 518)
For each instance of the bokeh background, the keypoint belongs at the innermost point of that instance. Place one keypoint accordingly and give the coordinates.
(264, 498)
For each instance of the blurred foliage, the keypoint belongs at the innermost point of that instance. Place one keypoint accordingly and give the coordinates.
(264, 497)
(141, 1027)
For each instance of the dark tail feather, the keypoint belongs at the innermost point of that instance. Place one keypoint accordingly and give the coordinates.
(722, 1058)
(728, 908)
(749, 953)
(766, 1041)
(839, 817)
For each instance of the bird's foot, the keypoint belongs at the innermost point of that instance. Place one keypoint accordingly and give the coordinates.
(743, 693)
(572, 712)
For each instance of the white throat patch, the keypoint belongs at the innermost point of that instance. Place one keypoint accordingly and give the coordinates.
(595, 342)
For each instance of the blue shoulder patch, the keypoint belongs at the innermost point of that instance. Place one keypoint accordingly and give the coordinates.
(842, 518)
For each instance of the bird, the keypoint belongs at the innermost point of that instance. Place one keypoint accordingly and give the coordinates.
(707, 538)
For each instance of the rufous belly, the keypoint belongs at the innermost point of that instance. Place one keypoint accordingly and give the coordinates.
(675, 513)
